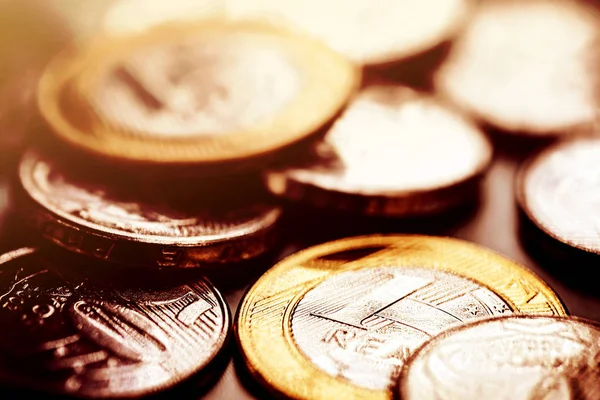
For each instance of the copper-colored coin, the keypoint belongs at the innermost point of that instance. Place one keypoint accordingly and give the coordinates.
(515, 357)
(195, 93)
(393, 152)
(143, 225)
(558, 190)
(526, 66)
(368, 32)
(67, 331)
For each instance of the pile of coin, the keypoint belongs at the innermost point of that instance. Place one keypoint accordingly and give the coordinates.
(175, 143)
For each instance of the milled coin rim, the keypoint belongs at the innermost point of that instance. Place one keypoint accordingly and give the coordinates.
(400, 390)
(329, 80)
(221, 345)
(280, 289)
(521, 189)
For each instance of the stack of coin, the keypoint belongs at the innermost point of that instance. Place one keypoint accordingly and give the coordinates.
(177, 141)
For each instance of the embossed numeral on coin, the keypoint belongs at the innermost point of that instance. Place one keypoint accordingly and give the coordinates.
(377, 300)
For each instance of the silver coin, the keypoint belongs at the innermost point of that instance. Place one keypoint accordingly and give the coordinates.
(508, 358)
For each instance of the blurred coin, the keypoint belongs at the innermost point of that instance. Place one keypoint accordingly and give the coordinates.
(368, 32)
(526, 66)
(145, 226)
(135, 16)
(210, 92)
(558, 190)
(394, 152)
(341, 317)
(66, 331)
(508, 358)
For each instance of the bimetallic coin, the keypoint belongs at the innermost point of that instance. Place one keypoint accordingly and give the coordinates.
(393, 152)
(368, 32)
(195, 93)
(65, 331)
(142, 226)
(558, 190)
(526, 67)
(508, 358)
(342, 317)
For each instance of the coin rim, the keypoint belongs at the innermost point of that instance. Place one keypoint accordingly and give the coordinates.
(287, 349)
(330, 87)
(400, 389)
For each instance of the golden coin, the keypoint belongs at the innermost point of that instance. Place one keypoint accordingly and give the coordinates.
(368, 32)
(197, 93)
(518, 357)
(341, 318)
(526, 66)
(394, 152)
(140, 226)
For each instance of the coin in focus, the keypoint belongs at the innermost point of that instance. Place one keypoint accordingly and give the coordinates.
(518, 357)
(342, 317)
(143, 225)
(394, 152)
(365, 31)
(68, 332)
(526, 67)
(558, 191)
(195, 93)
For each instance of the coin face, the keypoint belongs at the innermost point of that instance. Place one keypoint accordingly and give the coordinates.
(196, 231)
(342, 317)
(415, 146)
(526, 67)
(364, 31)
(194, 93)
(66, 331)
(515, 357)
(558, 190)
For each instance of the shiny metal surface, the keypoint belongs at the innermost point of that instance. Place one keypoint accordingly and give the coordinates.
(364, 30)
(71, 211)
(559, 191)
(526, 66)
(171, 92)
(509, 358)
(395, 148)
(341, 317)
(69, 331)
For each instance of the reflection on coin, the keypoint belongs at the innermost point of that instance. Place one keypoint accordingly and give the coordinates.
(508, 358)
(526, 66)
(366, 31)
(558, 190)
(143, 228)
(195, 93)
(341, 317)
(67, 332)
(393, 152)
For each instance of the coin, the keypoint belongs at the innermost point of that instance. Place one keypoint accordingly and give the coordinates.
(341, 317)
(526, 67)
(394, 152)
(68, 332)
(557, 189)
(143, 225)
(199, 93)
(371, 32)
(515, 357)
